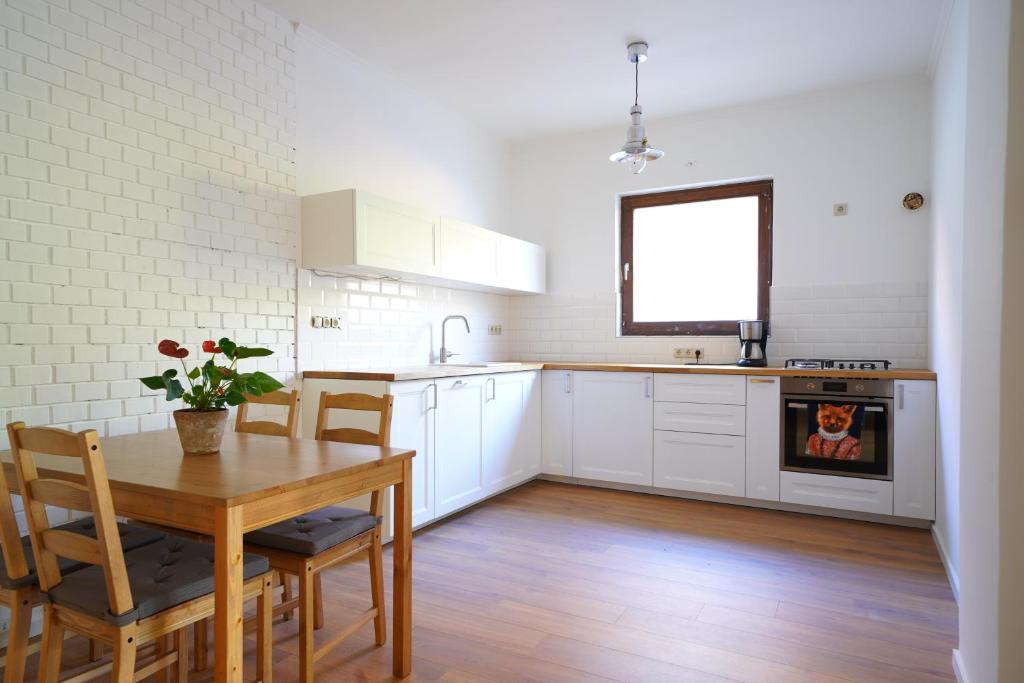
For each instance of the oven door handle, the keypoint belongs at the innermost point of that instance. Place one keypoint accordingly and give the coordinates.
(796, 405)
(874, 409)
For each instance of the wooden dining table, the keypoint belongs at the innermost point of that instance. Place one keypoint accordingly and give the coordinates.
(252, 482)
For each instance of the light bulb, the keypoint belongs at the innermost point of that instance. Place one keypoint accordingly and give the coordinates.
(637, 163)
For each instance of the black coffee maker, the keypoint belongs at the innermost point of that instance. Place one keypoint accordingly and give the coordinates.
(753, 340)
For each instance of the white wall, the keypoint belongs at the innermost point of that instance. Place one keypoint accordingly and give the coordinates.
(977, 313)
(147, 192)
(359, 128)
(866, 145)
(945, 342)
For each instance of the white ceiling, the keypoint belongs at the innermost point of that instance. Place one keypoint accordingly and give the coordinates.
(526, 68)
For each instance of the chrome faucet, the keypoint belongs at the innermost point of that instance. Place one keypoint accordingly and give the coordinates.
(445, 353)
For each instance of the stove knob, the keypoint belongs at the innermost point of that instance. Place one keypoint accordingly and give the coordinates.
(867, 366)
(811, 386)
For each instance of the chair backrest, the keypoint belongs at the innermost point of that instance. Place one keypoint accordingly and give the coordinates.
(10, 537)
(273, 398)
(94, 497)
(364, 402)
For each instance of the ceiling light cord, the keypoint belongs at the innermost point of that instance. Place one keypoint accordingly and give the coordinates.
(636, 83)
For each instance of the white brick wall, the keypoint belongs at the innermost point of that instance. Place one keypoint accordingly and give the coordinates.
(146, 192)
(887, 321)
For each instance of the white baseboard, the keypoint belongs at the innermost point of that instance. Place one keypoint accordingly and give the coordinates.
(947, 562)
(958, 667)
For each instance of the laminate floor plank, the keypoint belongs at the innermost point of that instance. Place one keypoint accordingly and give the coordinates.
(560, 583)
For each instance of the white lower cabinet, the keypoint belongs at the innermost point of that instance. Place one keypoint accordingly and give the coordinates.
(704, 463)
(913, 470)
(556, 425)
(412, 426)
(763, 439)
(511, 430)
(458, 443)
(612, 434)
(841, 493)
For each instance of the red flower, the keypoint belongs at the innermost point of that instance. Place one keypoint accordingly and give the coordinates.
(171, 348)
(210, 346)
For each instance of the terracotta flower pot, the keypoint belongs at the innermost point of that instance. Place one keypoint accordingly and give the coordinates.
(200, 431)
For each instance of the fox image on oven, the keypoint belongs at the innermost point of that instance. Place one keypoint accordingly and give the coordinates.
(833, 439)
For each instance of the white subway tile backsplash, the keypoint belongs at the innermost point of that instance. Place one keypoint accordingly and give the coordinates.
(873, 319)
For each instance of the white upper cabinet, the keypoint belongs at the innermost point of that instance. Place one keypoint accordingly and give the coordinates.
(351, 231)
(521, 265)
(763, 440)
(913, 470)
(613, 427)
(468, 253)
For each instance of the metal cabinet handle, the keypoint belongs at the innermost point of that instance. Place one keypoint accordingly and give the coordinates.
(433, 405)
(568, 382)
(758, 380)
(494, 389)
(647, 387)
(458, 383)
(900, 395)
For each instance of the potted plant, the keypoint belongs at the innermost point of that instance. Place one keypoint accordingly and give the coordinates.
(211, 388)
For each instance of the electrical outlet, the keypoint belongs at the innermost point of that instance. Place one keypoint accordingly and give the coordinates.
(493, 329)
(326, 321)
(840, 209)
(686, 352)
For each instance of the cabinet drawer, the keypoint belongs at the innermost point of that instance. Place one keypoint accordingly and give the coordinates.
(707, 418)
(730, 389)
(706, 463)
(841, 493)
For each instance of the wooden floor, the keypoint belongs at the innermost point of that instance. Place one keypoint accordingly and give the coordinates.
(552, 582)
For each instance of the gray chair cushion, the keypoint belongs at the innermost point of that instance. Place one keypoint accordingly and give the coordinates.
(162, 575)
(132, 536)
(313, 533)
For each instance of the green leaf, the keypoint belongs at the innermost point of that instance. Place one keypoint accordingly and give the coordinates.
(227, 346)
(251, 352)
(234, 398)
(267, 383)
(174, 389)
(153, 382)
(194, 373)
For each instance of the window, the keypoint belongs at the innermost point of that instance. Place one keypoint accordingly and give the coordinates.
(696, 261)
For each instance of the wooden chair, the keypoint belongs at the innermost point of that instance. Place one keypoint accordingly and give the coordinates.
(125, 600)
(305, 546)
(269, 428)
(274, 398)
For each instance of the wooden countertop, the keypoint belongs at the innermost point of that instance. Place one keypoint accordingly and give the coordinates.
(442, 371)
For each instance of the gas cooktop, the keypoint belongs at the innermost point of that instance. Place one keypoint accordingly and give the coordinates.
(833, 364)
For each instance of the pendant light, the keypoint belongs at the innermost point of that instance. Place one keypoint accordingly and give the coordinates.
(636, 152)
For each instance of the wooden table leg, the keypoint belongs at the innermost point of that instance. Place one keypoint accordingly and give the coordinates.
(228, 625)
(402, 656)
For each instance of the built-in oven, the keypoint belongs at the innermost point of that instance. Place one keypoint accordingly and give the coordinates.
(837, 426)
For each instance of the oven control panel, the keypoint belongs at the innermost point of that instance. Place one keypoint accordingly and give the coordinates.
(838, 387)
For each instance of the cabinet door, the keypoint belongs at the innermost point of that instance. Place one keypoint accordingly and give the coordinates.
(913, 469)
(505, 400)
(458, 441)
(521, 265)
(412, 426)
(468, 253)
(706, 463)
(529, 434)
(556, 439)
(763, 440)
(841, 493)
(397, 237)
(613, 427)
